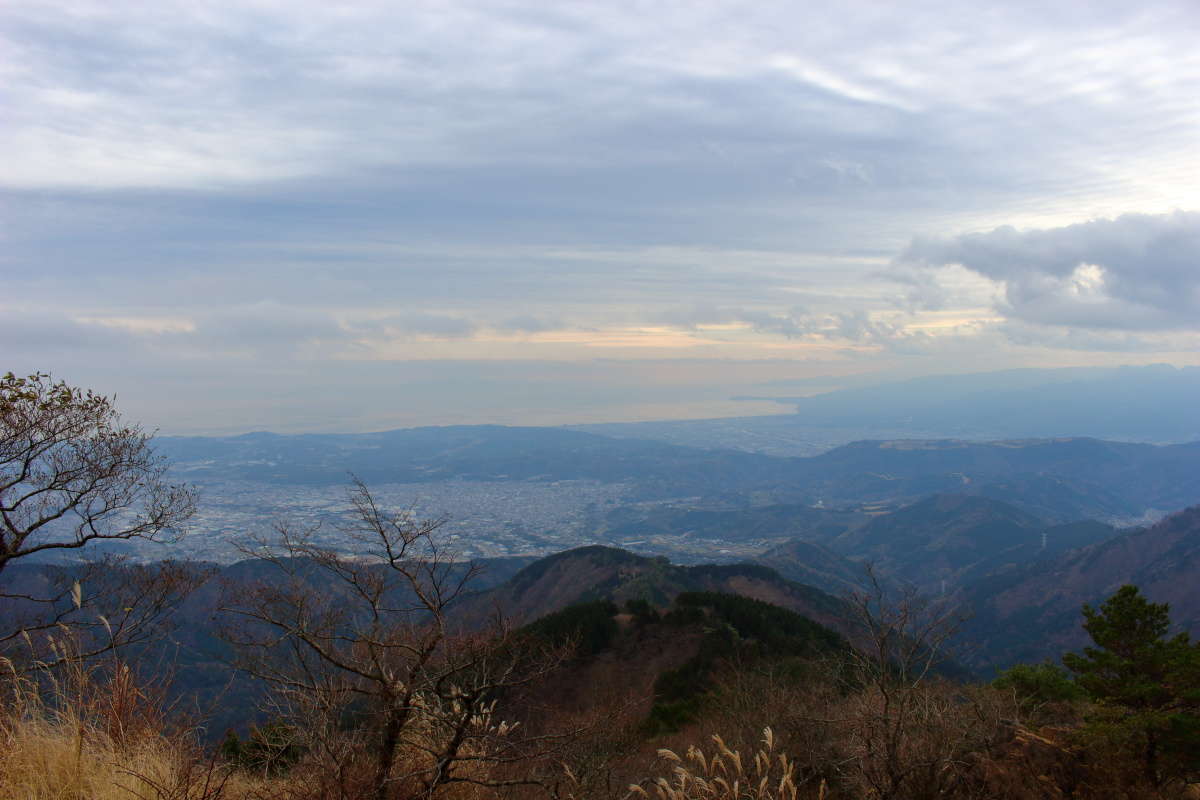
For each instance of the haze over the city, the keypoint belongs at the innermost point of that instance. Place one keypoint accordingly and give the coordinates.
(314, 217)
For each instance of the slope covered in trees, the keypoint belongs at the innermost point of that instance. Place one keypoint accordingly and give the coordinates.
(1032, 613)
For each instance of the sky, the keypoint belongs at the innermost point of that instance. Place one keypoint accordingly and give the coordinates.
(312, 216)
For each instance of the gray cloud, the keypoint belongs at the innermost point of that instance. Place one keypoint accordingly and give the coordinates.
(50, 334)
(1138, 271)
(855, 326)
(266, 329)
(428, 173)
(1097, 341)
(791, 324)
(438, 326)
(527, 323)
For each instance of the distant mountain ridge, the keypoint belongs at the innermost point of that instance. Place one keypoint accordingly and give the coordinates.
(1147, 403)
(948, 539)
(936, 544)
(1150, 403)
(1033, 612)
(1127, 476)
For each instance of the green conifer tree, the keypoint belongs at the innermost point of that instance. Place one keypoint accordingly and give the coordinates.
(1147, 684)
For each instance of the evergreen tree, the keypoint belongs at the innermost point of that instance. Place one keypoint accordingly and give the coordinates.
(1147, 684)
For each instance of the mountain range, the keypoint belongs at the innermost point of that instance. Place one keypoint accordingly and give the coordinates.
(1032, 612)
(949, 539)
(1145, 403)
(1151, 403)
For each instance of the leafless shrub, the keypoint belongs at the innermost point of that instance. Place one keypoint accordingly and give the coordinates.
(909, 732)
(384, 690)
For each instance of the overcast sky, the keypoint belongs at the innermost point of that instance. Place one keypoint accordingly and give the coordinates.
(308, 216)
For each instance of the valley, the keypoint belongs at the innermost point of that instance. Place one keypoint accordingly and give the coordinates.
(609, 592)
(536, 491)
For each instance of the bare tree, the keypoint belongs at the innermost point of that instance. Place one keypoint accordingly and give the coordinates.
(73, 474)
(364, 655)
(905, 635)
(912, 733)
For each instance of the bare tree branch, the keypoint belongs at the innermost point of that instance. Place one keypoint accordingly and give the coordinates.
(72, 474)
(371, 639)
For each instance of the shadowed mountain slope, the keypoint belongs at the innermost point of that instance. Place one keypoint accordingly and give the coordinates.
(813, 565)
(1056, 499)
(664, 662)
(944, 538)
(1129, 477)
(606, 573)
(1033, 612)
(951, 538)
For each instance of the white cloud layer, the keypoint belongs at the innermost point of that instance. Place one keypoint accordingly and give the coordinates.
(305, 186)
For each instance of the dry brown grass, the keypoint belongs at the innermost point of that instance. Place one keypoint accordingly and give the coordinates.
(92, 731)
(60, 759)
(74, 736)
(724, 774)
(63, 758)
(57, 753)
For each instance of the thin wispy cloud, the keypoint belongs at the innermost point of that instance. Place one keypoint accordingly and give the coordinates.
(881, 187)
